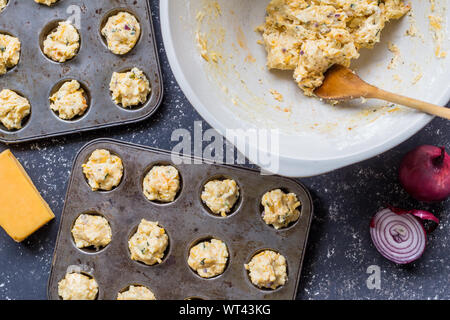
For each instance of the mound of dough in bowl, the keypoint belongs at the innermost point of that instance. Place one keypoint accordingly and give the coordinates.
(13, 109)
(9, 52)
(77, 286)
(103, 170)
(69, 101)
(136, 293)
(63, 43)
(309, 36)
(121, 31)
(267, 269)
(149, 243)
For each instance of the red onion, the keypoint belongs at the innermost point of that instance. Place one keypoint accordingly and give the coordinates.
(399, 235)
(425, 173)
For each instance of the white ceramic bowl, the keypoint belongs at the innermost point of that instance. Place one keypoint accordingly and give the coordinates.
(314, 137)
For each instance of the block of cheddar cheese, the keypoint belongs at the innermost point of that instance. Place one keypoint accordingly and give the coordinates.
(22, 209)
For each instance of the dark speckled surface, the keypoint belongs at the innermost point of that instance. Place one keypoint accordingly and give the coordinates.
(339, 250)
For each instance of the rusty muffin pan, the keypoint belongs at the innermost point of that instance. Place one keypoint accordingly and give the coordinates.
(186, 221)
(36, 76)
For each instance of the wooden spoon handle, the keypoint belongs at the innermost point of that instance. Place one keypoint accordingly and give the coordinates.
(409, 102)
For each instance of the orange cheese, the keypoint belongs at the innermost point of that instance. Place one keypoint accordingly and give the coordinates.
(22, 209)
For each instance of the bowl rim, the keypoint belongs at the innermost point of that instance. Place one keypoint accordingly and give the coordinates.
(288, 166)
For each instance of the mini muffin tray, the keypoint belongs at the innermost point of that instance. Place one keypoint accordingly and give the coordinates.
(186, 221)
(36, 76)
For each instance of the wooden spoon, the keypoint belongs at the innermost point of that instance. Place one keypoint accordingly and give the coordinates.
(341, 84)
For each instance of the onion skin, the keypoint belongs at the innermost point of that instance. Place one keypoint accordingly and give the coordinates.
(425, 173)
(399, 235)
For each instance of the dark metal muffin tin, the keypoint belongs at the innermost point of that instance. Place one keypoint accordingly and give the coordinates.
(186, 221)
(36, 76)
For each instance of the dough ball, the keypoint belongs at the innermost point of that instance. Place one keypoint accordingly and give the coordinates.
(129, 88)
(91, 230)
(161, 183)
(149, 243)
(267, 269)
(136, 293)
(13, 109)
(9, 52)
(69, 101)
(220, 196)
(63, 43)
(121, 32)
(76, 286)
(208, 258)
(103, 170)
(3, 4)
(280, 209)
(46, 2)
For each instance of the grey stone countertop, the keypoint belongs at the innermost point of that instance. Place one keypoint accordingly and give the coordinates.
(339, 251)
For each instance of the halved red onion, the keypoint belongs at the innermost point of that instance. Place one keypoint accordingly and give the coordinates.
(398, 235)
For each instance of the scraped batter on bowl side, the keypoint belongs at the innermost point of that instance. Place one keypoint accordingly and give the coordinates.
(309, 36)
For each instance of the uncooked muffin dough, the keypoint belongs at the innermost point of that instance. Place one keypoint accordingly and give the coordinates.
(13, 109)
(91, 230)
(280, 209)
(161, 183)
(136, 293)
(63, 43)
(309, 36)
(121, 32)
(103, 170)
(208, 258)
(47, 2)
(267, 269)
(69, 101)
(3, 4)
(149, 243)
(129, 88)
(220, 196)
(9, 52)
(76, 286)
